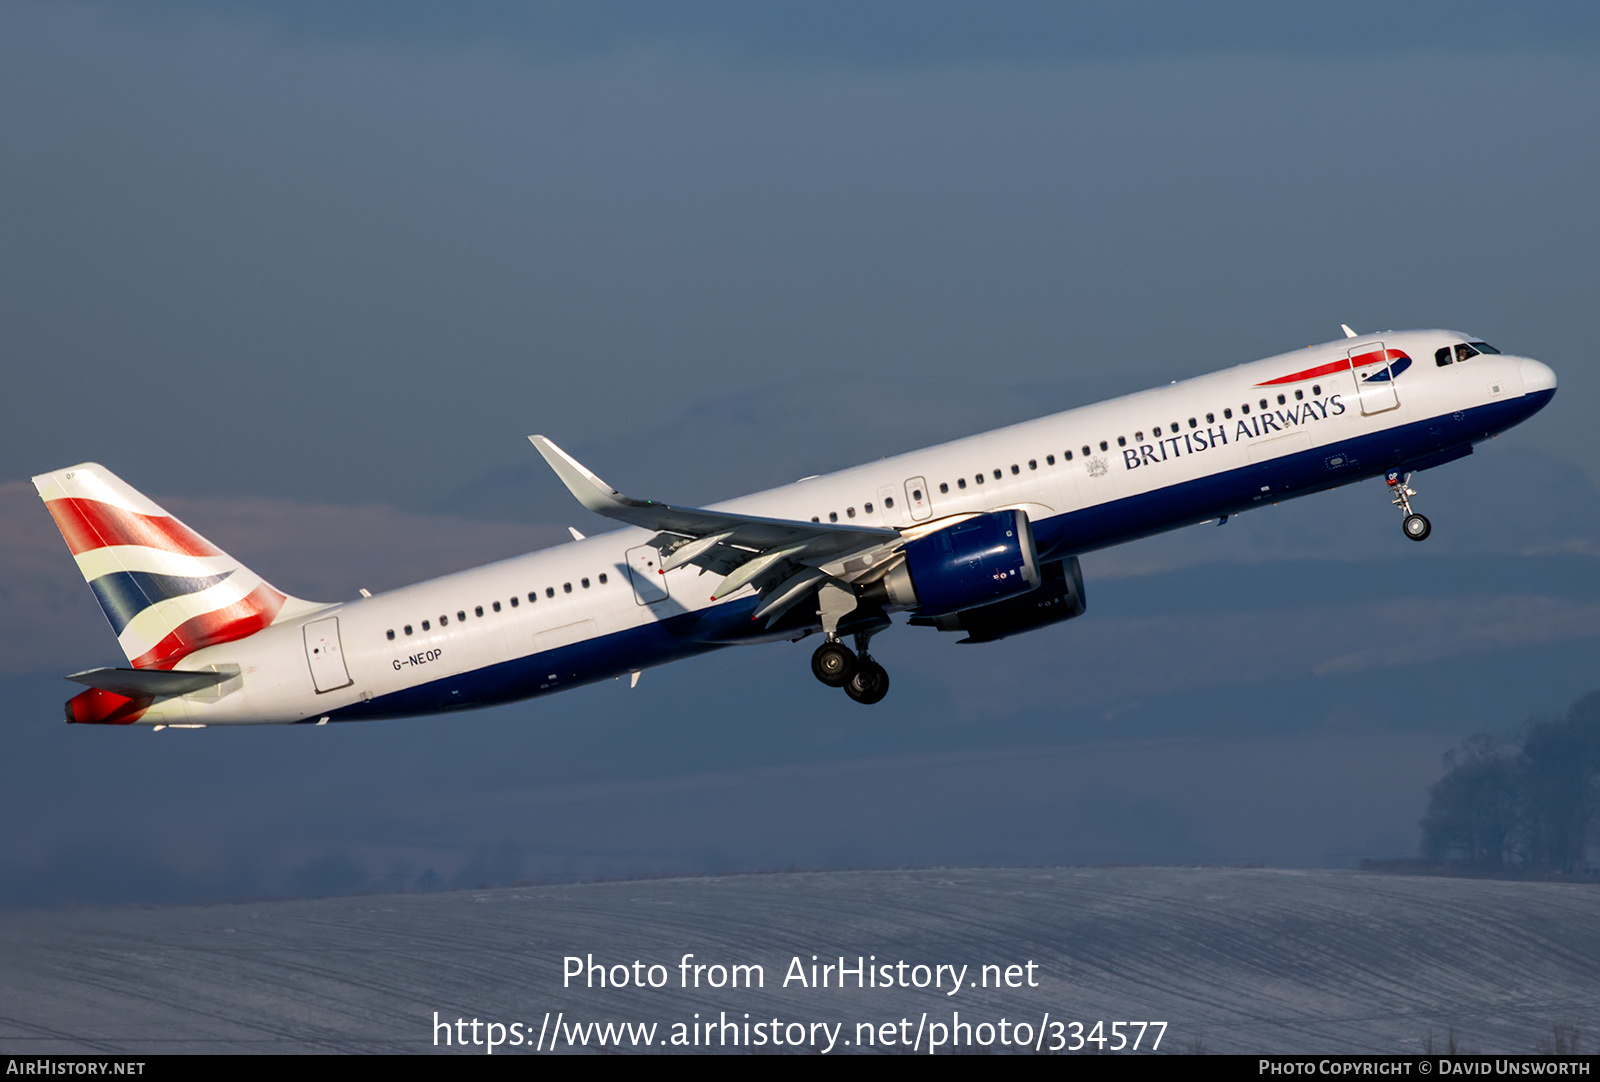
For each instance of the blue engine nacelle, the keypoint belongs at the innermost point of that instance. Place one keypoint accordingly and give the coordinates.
(1059, 597)
(978, 561)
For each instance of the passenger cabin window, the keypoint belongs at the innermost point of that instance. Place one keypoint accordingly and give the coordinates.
(566, 587)
(1103, 446)
(1281, 400)
(584, 583)
(408, 629)
(1122, 441)
(497, 606)
(1211, 418)
(978, 478)
(888, 501)
(833, 516)
(602, 578)
(513, 600)
(390, 634)
(1299, 395)
(850, 512)
(1015, 469)
(944, 487)
(961, 482)
(477, 610)
(425, 625)
(462, 616)
(549, 591)
(444, 621)
(997, 474)
(1316, 388)
(867, 507)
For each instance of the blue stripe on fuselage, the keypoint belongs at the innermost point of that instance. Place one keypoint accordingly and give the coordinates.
(685, 635)
(1299, 474)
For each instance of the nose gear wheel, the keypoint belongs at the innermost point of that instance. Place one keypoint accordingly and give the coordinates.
(1415, 526)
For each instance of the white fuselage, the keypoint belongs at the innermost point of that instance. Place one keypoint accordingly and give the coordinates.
(460, 641)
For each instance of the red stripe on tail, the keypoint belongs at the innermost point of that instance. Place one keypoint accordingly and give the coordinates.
(244, 617)
(89, 524)
(100, 707)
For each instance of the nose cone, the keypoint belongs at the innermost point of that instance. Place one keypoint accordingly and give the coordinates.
(1537, 378)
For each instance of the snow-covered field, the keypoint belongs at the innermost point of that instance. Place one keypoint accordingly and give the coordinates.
(1233, 960)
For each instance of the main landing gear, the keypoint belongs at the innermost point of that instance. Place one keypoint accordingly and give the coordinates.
(834, 663)
(1414, 525)
(862, 678)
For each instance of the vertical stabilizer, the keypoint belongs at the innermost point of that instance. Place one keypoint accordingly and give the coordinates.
(166, 590)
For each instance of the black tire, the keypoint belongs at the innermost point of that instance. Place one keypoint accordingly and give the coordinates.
(1417, 527)
(833, 664)
(868, 684)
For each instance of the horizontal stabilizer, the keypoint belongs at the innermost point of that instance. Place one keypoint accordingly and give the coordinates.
(148, 683)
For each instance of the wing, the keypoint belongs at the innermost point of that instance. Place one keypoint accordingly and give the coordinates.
(784, 559)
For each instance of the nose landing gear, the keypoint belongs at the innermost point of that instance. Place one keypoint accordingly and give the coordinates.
(1415, 526)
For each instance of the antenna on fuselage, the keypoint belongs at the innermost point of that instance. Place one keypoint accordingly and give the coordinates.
(1348, 333)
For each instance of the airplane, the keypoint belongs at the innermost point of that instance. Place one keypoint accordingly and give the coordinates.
(980, 536)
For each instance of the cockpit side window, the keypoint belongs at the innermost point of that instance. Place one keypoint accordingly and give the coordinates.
(1442, 357)
(1463, 351)
(1484, 347)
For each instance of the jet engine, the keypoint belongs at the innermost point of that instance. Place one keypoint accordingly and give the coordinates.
(1059, 597)
(978, 561)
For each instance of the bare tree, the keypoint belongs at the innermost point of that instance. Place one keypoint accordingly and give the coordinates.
(1536, 805)
(1475, 811)
(1562, 759)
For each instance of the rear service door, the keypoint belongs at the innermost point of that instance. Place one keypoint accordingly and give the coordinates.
(325, 655)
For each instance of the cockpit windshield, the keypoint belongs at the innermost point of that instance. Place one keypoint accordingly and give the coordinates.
(1461, 352)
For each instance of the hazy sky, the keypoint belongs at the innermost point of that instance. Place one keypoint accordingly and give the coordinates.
(312, 272)
(265, 249)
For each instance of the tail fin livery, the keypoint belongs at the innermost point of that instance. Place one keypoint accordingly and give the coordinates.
(166, 590)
